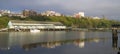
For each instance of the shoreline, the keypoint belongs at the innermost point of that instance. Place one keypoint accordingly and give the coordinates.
(68, 29)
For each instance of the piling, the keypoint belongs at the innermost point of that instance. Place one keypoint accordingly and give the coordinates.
(114, 38)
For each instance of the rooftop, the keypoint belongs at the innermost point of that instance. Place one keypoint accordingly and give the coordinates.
(36, 22)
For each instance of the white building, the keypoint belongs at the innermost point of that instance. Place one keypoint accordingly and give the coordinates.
(51, 13)
(96, 18)
(78, 15)
(81, 14)
(5, 12)
(13, 24)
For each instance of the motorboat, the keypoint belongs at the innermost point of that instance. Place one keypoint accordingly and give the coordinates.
(34, 30)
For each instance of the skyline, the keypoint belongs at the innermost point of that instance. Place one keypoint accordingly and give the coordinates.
(107, 8)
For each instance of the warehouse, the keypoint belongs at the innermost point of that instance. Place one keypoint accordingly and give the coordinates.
(17, 24)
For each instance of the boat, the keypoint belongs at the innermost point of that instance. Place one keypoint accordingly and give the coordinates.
(34, 30)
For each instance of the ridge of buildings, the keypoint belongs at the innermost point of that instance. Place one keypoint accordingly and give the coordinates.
(26, 13)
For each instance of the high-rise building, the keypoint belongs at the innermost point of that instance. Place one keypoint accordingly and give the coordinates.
(32, 13)
(25, 12)
(29, 13)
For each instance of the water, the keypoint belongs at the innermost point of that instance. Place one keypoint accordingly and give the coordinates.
(57, 42)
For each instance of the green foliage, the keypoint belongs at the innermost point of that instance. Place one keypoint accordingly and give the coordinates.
(3, 22)
(83, 22)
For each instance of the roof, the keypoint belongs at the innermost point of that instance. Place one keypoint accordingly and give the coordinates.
(35, 22)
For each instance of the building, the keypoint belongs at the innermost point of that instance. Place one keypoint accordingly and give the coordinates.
(51, 13)
(25, 12)
(96, 18)
(78, 15)
(32, 13)
(29, 13)
(17, 14)
(5, 12)
(15, 24)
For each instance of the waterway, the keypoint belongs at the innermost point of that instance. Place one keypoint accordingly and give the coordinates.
(57, 42)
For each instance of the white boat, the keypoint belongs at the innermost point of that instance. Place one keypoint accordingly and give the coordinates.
(34, 30)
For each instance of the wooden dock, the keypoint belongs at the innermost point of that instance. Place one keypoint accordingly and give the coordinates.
(27, 30)
(115, 31)
(3, 29)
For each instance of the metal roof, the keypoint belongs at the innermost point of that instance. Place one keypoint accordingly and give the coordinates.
(35, 22)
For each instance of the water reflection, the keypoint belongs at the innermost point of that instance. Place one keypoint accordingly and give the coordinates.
(78, 42)
(115, 43)
(47, 39)
(4, 41)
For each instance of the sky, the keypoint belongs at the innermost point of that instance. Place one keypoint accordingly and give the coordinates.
(107, 8)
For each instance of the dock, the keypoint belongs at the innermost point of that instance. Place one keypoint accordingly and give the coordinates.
(115, 31)
(3, 29)
(27, 30)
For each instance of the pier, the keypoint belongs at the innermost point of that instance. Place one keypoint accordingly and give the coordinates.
(28, 30)
(3, 29)
(115, 31)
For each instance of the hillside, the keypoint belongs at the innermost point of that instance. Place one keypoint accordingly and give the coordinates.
(83, 22)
